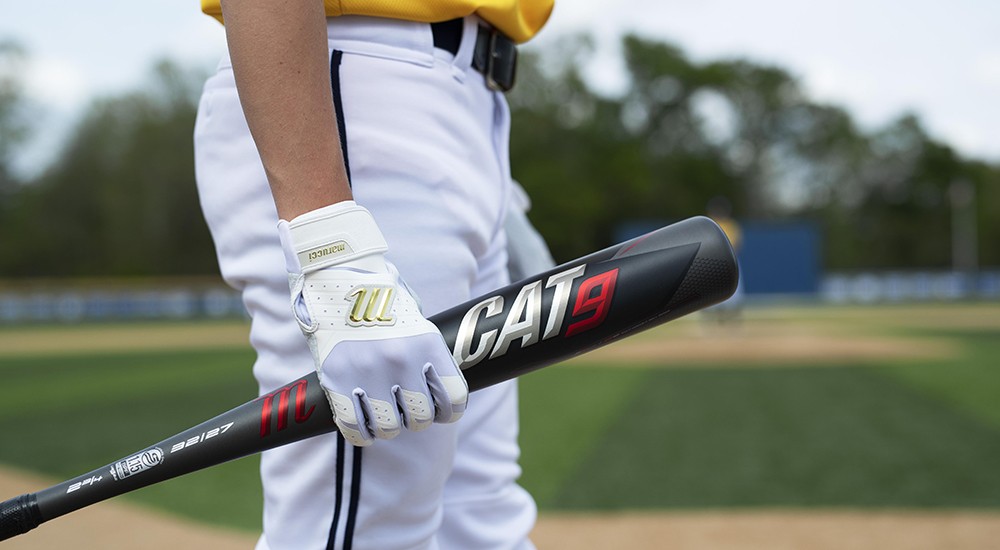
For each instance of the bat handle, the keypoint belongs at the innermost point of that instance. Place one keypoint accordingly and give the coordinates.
(19, 515)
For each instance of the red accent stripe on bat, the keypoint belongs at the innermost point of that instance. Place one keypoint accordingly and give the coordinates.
(265, 416)
(631, 246)
(301, 415)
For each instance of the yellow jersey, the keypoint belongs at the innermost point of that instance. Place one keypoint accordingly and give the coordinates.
(518, 19)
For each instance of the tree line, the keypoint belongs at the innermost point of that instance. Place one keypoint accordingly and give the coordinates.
(120, 199)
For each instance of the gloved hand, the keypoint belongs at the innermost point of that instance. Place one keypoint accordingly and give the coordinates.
(382, 364)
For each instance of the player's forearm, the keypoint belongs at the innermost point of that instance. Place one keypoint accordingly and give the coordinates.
(280, 61)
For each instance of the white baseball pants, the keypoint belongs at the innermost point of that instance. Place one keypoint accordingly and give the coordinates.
(426, 144)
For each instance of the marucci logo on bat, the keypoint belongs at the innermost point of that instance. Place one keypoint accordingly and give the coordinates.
(524, 320)
(284, 396)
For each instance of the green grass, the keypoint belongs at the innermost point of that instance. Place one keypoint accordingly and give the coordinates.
(971, 384)
(912, 434)
(920, 433)
(63, 417)
(565, 414)
(784, 437)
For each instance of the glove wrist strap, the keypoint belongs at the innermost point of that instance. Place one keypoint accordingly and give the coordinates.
(329, 236)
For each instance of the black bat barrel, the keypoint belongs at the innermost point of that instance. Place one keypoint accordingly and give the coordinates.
(590, 302)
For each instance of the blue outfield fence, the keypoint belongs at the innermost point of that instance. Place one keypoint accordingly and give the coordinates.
(106, 304)
(910, 286)
(784, 259)
(781, 258)
(776, 258)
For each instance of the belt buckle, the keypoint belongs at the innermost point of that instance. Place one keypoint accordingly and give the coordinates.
(501, 62)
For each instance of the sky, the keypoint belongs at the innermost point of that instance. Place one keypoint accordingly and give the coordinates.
(877, 58)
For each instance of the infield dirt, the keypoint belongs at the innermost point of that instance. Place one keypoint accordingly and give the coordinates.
(118, 525)
(770, 336)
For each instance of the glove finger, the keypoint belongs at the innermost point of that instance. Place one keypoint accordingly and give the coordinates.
(415, 407)
(381, 415)
(449, 392)
(349, 417)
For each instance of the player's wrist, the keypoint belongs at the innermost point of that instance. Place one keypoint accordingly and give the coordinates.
(338, 234)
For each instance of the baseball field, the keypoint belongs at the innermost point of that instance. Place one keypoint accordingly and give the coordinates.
(806, 427)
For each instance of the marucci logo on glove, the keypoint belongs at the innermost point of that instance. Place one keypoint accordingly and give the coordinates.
(372, 306)
(524, 319)
(325, 252)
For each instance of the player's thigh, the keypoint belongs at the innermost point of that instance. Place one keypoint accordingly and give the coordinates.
(423, 158)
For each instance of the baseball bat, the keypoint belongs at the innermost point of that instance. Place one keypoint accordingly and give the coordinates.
(541, 320)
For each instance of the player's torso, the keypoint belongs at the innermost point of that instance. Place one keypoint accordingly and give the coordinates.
(518, 19)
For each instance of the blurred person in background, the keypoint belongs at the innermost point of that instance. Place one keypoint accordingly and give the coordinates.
(720, 209)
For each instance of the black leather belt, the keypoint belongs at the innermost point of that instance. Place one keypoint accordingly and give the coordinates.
(495, 55)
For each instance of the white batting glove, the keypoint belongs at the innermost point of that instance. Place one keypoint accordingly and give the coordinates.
(382, 364)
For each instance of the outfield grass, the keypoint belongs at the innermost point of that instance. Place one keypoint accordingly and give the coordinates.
(65, 416)
(924, 433)
(697, 438)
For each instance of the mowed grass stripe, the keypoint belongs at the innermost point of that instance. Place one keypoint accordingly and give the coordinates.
(80, 427)
(565, 412)
(85, 429)
(971, 384)
(786, 437)
(138, 337)
(66, 383)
